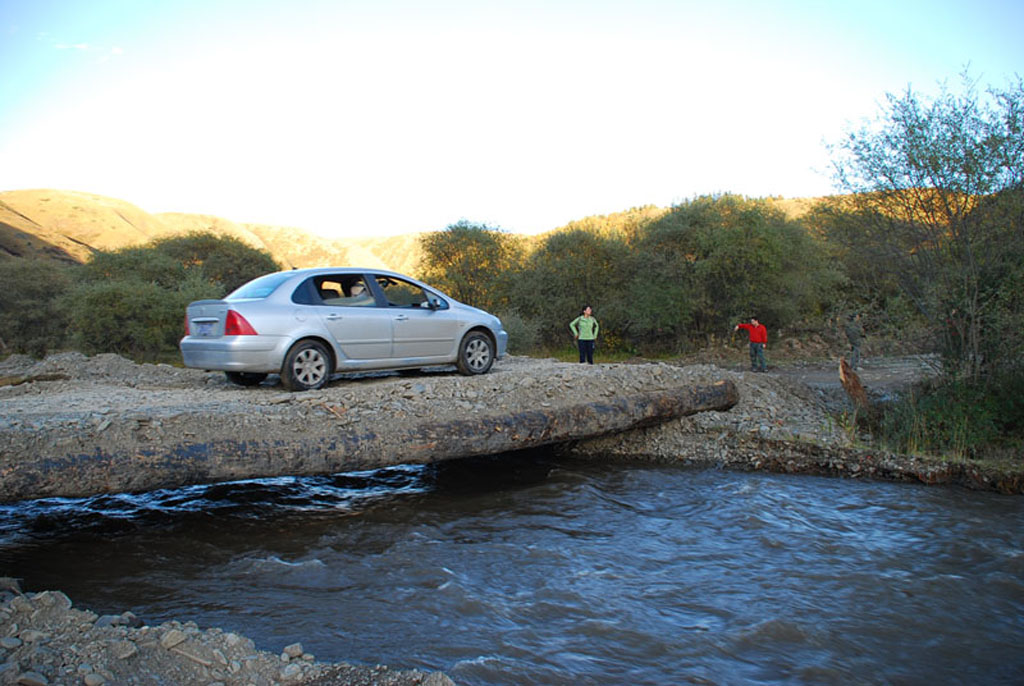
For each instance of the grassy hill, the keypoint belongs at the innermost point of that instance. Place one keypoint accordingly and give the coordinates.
(70, 226)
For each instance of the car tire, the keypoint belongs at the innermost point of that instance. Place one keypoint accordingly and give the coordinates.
(307, 366)
(476, 354)
(245, 378)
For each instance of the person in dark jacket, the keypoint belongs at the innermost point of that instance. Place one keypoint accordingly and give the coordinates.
(854, 334)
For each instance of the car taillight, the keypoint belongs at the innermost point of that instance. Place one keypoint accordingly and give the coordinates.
(236, 325)
(187, 332)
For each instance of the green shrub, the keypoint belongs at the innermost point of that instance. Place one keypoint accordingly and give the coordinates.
(132, 301)
(130, 317)
(952, 418)
(30, 321)
(224, 260)
(138, 264)
(1007, 395)
(523, 335)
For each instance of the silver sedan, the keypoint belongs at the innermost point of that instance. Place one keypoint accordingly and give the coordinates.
(307, 324)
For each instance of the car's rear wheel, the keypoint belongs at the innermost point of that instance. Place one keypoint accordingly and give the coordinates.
(245, 378)
(476, 354)
(306, 367)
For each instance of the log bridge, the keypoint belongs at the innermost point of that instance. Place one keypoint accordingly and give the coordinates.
(284, 446)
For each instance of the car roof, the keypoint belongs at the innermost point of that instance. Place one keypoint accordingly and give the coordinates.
(313, 271)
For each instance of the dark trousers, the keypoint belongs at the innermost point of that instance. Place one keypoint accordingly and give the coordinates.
(586, 351)
(757, 362)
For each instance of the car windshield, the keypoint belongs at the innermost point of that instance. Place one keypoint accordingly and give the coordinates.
(259, 288)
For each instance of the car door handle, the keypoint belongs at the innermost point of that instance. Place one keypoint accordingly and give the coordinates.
(334, 317)
(401, 317)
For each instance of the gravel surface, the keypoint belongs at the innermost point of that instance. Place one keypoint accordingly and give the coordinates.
(107, 399)
(69, 397)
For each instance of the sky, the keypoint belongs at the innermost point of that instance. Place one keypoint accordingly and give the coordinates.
(363, 118)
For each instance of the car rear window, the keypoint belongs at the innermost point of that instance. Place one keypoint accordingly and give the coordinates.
(259, 288)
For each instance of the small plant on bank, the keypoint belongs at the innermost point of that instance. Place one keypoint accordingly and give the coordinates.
(953, 419)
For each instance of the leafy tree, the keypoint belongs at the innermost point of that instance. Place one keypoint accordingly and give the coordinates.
(132, 301)
(224, 260)
(627, 225)
(130, 315)
(571, 268)
(30, 321)
(127, 317)
(666, 295)
(715, 259)
(136, 263)
(473, 263)
(936, 186)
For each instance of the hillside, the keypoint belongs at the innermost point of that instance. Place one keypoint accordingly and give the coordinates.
(70, 225)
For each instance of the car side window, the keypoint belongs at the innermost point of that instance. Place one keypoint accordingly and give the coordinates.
(345, 290)
(401, 293)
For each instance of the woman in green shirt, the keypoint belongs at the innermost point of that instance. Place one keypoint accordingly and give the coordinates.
(584, 330)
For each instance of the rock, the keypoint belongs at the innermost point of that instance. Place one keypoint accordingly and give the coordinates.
(32, 636)
(31, 679)
(172, 638)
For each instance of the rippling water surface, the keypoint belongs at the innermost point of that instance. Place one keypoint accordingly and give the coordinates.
(530, 571)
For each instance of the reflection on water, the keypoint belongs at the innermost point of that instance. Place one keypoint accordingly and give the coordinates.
(530, 571)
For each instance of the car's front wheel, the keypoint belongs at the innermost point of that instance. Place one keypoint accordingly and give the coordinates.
(476, 354)
(245, 378)
(306, 367)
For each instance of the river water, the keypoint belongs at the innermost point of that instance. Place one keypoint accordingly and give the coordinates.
(535, 571)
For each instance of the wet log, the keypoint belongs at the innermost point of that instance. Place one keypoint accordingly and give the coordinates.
(285, 449)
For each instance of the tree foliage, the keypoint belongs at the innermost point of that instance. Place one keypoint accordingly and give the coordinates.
(661, 280)
(935, 201)
(130, 316)
(223, 260)
(715, 260)
(473, 263)
(130, 301)
(31, 323)
(570, 269)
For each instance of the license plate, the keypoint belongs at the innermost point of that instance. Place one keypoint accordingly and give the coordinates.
(204, 328)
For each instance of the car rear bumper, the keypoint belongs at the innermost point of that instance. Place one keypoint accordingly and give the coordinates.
(260, 354)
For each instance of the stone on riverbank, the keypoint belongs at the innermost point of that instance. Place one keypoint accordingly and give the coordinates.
(46, 641)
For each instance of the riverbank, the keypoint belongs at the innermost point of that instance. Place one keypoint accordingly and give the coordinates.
(783, 422)
(46, 641)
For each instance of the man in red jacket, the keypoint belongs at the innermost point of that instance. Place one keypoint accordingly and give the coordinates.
(758, 342)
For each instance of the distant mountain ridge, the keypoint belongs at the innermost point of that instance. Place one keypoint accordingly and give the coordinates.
(71, 225)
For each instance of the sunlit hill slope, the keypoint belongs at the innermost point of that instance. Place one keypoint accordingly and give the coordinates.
(70, 225)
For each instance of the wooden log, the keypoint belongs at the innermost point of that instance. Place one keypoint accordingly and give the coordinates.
(280, 449)
(29, 378)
